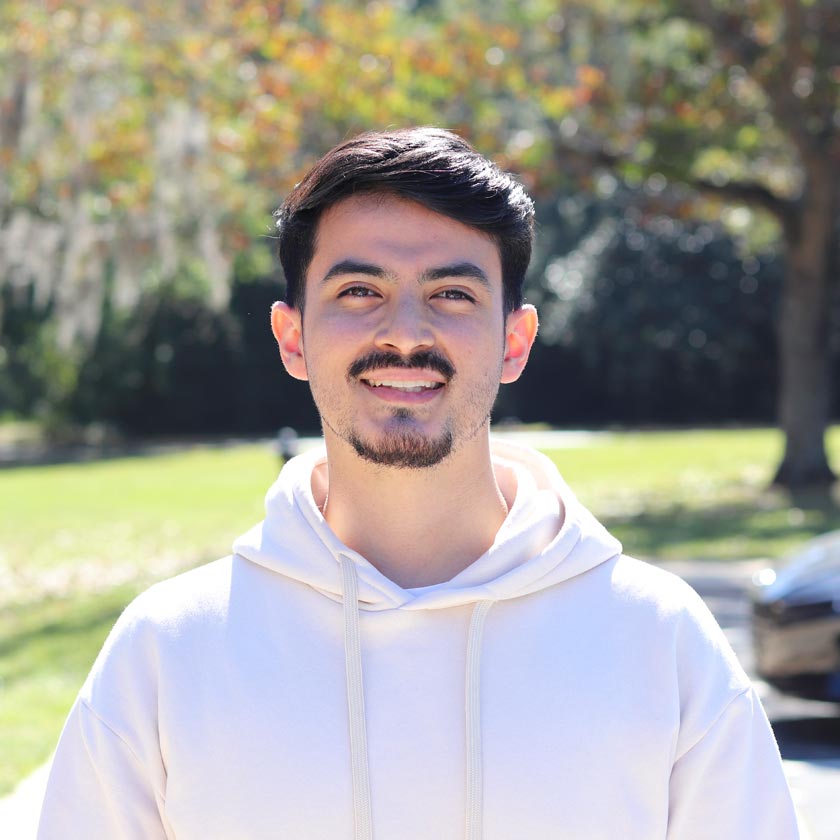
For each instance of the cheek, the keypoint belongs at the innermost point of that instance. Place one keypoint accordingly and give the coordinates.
(327, 337)
(481, 343)
(335, 325)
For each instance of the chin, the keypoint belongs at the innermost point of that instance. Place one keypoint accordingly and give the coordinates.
(404, 450)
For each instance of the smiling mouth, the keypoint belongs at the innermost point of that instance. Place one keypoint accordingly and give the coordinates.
(409, 387)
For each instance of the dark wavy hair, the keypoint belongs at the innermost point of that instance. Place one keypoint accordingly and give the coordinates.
(435, 168)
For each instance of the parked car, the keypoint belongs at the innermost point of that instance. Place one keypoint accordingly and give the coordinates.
(796, 621)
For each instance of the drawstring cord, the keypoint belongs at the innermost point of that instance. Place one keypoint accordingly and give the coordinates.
(363, 823)
(362, 817)
(475, 781)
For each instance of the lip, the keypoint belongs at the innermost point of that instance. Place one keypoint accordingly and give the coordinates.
(403, 375)
(406, 377)
(395, 395)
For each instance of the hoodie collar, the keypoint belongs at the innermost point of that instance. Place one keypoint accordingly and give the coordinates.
(547, 537)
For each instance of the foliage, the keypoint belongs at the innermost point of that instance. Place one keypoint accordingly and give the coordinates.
(145, 145)
(738, 101)
(640, 301)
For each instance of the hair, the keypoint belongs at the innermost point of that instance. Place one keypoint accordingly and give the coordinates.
(431, 166)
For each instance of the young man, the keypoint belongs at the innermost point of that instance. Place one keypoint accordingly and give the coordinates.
(428, 636)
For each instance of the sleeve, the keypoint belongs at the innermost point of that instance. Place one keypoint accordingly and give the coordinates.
(730, 785)
(99, 787)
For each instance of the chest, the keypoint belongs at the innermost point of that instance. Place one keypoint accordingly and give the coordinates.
(577, 729)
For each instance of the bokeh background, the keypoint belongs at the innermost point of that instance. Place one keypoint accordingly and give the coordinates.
(684, 156)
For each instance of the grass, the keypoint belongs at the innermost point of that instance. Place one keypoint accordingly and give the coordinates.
(78, 541)
(697, 494)
(45, 653)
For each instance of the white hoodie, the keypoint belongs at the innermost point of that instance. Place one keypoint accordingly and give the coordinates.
(553, 689)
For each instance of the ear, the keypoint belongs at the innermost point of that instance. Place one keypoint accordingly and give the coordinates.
(286, 324)
(520, 332)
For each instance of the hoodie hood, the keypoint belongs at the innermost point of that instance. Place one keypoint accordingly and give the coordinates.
(546, 538)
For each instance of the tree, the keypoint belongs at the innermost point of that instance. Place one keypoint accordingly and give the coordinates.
(738, 100)
(791, 55)
(145, 144)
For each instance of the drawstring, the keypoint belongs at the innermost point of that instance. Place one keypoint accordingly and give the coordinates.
(363, 821)
(363, 824)
(475, 784)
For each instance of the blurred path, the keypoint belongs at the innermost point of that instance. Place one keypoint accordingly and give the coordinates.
(19, 810)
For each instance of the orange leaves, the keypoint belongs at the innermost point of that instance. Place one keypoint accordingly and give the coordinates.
(590, 77)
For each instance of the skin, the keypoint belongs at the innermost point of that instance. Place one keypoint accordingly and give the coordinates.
(389, 276)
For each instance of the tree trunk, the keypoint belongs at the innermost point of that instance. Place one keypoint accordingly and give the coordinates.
(804, 323)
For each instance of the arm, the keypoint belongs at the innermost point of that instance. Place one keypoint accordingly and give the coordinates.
(729, 784)
(100, 787)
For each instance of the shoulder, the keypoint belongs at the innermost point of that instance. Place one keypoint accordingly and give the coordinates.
(661, 593)
(671, 602)
(151, 626)
(198, 594)
(637, 580)
(643, 591)
(707, 672)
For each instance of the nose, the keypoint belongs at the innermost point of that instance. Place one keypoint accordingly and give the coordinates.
(405, 328)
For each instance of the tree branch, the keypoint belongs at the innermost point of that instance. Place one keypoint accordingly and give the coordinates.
(753, 194)
(741, 192)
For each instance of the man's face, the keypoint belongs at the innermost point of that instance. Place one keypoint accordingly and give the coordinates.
(403, 338)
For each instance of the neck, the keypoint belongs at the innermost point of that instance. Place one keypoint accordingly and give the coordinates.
(417, 526)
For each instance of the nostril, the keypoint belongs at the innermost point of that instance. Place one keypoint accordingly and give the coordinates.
(405, 334)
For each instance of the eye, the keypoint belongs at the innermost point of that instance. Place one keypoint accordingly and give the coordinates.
(455, 294)
(357, 292)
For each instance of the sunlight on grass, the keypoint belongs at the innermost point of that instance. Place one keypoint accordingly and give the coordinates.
(697, 494)
(83, 527)
(77, 542)
(46, 650)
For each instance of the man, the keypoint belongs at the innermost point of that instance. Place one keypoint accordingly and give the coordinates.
(428, 636)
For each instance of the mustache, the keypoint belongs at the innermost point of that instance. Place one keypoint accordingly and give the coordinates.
(425, 359)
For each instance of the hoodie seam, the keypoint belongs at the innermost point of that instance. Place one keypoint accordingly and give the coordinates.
(743, 692)
(122, 739)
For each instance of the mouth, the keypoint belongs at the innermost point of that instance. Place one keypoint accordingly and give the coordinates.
(405, 386)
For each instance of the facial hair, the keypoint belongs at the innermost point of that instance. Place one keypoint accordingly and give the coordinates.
(401, 446)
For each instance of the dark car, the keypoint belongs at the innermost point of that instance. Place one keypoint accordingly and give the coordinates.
(796, 621)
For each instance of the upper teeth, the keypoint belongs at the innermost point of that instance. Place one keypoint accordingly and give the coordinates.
(411, 385)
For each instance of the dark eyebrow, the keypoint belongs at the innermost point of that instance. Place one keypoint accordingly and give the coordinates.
(353, 267)
(462, 269)
(444, 272)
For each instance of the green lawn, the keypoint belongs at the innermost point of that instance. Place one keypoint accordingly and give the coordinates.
(78, 541)
(697, 494)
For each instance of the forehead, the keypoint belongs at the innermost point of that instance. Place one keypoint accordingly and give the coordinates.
(398, 234)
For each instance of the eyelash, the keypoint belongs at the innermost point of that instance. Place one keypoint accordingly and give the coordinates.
(461, 295)
(354, 291)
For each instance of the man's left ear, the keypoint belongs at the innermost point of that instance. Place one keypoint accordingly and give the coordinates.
(520, 332)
